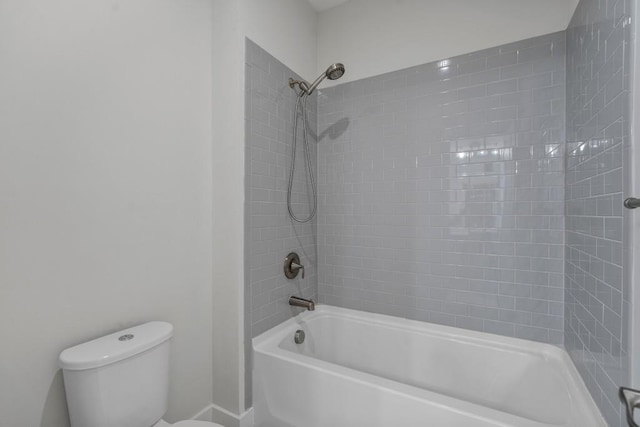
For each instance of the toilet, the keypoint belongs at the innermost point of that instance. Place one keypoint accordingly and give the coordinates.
(121, 379)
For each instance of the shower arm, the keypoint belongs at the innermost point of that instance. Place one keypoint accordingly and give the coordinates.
(304, 86)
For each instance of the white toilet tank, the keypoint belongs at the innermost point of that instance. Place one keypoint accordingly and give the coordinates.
(120, 379)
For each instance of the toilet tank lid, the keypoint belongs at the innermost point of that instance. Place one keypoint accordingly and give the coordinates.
(115, 347)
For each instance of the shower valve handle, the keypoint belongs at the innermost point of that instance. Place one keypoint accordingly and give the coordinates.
(292, 266)
(295, 267)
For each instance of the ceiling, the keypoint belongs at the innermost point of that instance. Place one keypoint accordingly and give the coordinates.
(321, 5)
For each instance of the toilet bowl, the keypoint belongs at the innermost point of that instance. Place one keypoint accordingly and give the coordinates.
(121, 379)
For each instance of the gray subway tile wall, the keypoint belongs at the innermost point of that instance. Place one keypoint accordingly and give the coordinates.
(441, 191)
(598, 127)
(445, 193)
(270, 233)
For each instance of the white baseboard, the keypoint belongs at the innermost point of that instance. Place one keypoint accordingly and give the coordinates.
(216, 414)
(205, 415)
(246, 419)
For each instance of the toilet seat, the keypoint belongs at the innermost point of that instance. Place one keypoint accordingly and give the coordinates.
(192, 423)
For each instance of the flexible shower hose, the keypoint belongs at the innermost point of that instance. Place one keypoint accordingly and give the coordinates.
(301, 102)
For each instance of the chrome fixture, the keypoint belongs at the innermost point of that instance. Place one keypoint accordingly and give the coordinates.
(334, 72)
(631, 400)
(298, 338)
(301, 302)
(632, 203)
(292, 266)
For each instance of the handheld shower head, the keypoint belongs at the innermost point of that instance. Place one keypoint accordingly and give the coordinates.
(334, 72)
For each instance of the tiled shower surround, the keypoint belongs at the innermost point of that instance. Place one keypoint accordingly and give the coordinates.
(442, 191)
(449, 193)
(598, 127)
(271, 235)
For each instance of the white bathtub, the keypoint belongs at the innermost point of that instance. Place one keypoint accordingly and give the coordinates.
(361, 369)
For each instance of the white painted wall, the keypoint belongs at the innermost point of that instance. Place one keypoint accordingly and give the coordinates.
(228, 195)
(572, 5)
(288, 30)
(373, 37)
(105, 190)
